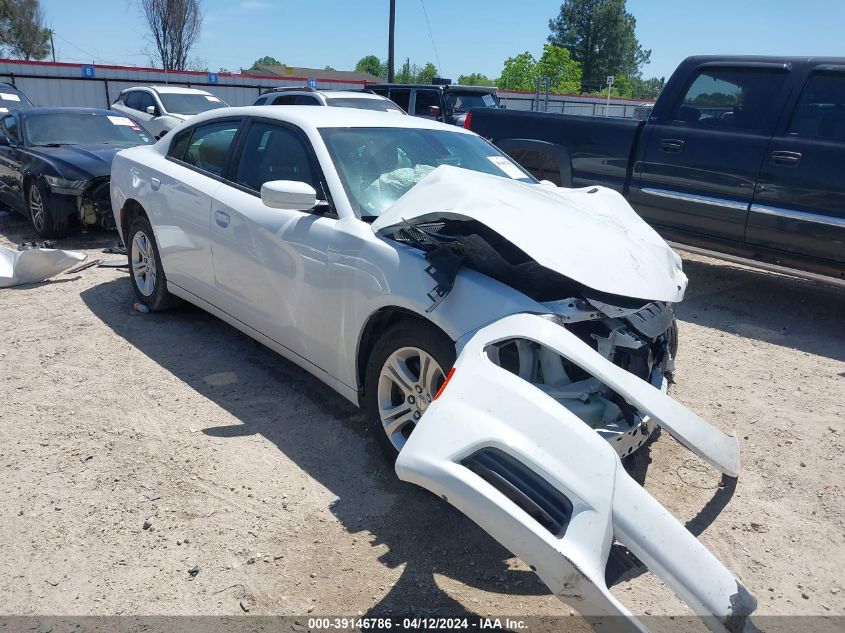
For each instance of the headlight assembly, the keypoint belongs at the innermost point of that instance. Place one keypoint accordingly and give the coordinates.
(64, 185)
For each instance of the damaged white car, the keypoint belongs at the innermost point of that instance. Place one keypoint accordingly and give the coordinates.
(369, 248)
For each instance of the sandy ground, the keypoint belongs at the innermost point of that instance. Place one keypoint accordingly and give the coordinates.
(267, 480)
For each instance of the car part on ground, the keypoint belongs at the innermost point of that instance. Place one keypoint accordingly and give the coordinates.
(522, 463)
(32, 265)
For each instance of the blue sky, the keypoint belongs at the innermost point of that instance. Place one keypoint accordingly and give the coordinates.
(469, 35)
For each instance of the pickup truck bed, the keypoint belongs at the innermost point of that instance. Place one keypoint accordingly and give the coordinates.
(741, 156)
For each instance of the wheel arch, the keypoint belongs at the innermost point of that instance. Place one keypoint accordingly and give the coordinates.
(130, 210)
(377, 322)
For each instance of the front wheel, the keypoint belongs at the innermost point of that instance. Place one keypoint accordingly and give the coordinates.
(145, 270)
(406, 368)
(45, 223)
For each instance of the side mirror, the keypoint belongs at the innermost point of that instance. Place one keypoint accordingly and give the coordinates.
(152, 110)
(434, 111)
(288, 194)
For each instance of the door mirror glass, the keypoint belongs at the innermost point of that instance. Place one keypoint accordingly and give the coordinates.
(152, 110)
(288, 194)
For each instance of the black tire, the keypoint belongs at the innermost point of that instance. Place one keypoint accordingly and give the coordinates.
(410, 333)
(44, 220)
(158, 298)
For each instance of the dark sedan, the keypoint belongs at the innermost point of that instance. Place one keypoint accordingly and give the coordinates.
(55, 164)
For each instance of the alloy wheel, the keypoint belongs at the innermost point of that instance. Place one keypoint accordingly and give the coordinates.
(143, 264)
(409, 380)
(36, 208)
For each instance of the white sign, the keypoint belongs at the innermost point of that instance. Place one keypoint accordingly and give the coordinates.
(120, 120)
(610, 79)
(8, 96)
(506, 166)
(213, 99)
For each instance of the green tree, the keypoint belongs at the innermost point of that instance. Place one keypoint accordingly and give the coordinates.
(22, 31)
(425, 74)
(267, 61)
(373, 65)
(600, 34)
(563, 72)
(328, 67)
(519, 73)
(475, 79)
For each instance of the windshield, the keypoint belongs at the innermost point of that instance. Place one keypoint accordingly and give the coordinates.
(381, 105)
(378, 165)
(186, 103)
(83, 128)
(11, 100)
(464, 101)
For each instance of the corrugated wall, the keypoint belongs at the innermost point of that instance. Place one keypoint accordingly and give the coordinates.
(49, 84)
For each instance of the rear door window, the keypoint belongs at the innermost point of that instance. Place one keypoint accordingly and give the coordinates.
(820, 112)
(209, 146)
(730, 98)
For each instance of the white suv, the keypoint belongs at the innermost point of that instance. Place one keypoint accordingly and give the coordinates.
(161, 108)
(305, 95)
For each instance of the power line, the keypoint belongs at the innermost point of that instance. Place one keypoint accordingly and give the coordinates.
(431, 37)
(91, 55)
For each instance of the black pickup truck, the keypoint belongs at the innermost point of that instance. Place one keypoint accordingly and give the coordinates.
(742, 156)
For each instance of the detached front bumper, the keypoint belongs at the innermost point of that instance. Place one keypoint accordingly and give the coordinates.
(548, 487)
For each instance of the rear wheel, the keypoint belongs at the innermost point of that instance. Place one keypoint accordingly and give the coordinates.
(407, 367)
(45, 223)
(145, 270)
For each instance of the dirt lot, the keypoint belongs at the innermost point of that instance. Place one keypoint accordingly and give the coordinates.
(269, 483)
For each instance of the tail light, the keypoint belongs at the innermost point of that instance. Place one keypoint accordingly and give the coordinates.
(468, 121)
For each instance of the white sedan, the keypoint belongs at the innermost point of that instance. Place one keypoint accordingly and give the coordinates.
(368, 248)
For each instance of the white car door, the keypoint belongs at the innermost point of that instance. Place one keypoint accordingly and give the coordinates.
(270, 264)
(182, 190)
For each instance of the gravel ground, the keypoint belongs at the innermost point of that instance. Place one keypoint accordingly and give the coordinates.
(245, 466)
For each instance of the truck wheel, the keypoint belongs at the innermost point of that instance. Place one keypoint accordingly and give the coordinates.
(406, 368)
(145, 269)
(45, 223)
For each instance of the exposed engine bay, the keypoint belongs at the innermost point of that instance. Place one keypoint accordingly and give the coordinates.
(638, 335)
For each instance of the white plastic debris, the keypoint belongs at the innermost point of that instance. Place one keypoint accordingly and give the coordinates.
(34, 265)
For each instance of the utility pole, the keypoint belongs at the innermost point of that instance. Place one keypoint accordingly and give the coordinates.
(52, 46)
(390, 31)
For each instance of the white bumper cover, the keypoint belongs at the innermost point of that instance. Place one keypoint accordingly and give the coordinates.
(552, 491)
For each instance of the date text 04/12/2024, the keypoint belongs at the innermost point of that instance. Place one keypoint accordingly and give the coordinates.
(415, 623)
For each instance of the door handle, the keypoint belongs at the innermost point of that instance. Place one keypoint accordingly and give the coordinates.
(785, 159)
(671, 145)
(222, 218)
(155, 183)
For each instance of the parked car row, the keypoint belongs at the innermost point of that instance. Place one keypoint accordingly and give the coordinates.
(55, 162)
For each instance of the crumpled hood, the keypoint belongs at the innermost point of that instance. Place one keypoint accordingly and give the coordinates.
(93, 161)
(590, 235)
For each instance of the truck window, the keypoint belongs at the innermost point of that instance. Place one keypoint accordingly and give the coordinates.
(401, 97)
(541, 165)
(730, 98)
(426, 99)
(820, 112)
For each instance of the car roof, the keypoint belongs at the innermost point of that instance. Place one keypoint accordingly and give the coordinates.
(309, 117)
(328, 94)
(443, 87)
(66, 110)
(349, 94)
(174, 90)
